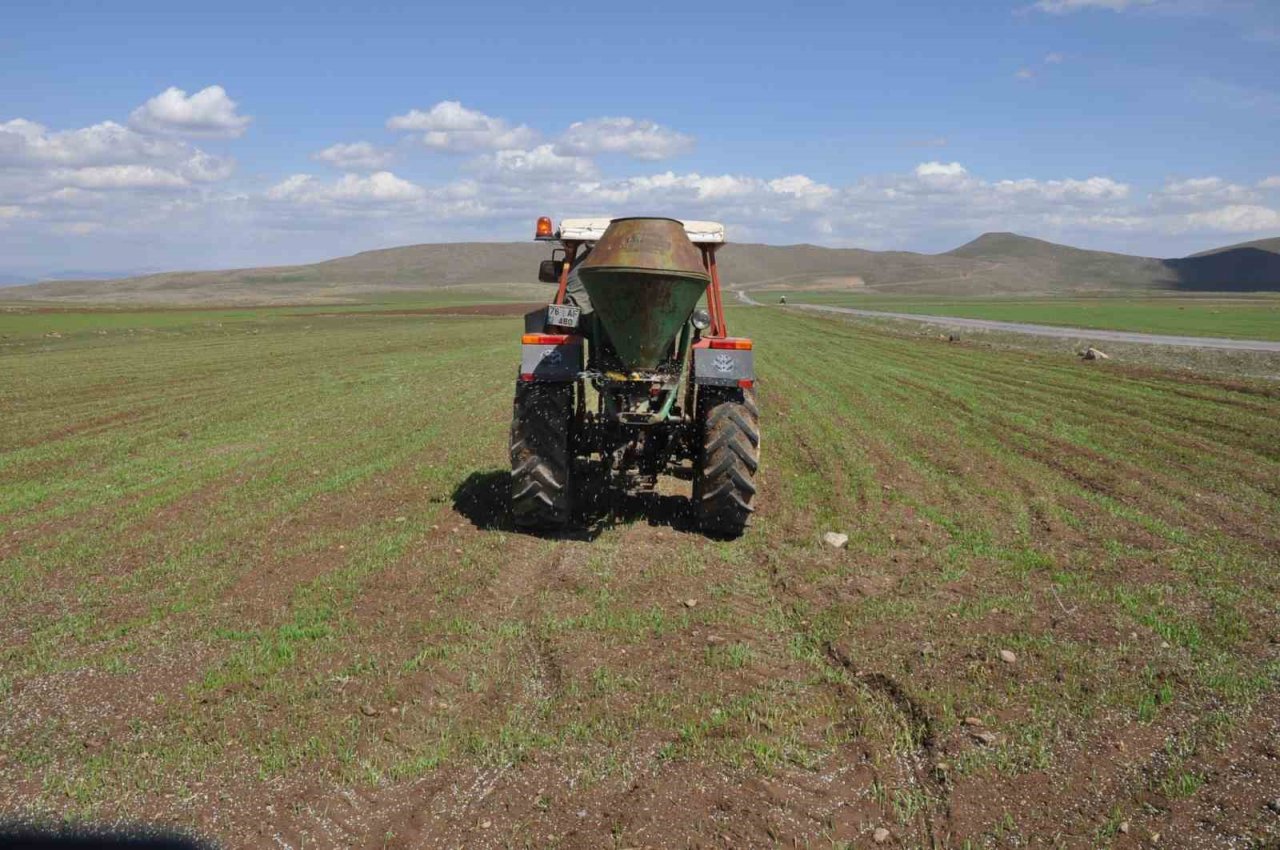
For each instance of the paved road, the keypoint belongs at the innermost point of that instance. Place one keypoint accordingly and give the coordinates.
(1083, 334)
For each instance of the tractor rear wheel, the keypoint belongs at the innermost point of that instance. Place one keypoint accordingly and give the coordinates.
(725, 482)
(540, 459)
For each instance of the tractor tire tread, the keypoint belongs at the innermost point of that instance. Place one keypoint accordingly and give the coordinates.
(540, 458)
(724, 485)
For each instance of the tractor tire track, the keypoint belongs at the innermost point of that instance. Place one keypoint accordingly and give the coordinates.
(920, 725)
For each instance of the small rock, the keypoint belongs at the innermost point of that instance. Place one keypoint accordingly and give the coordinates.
(401, 519)
(368, 710)
(1008, 657)
(880, 836)
(1274, 805)
(485, 824)
(1155, 838)
(836, 540)
(714, 640)
(973, 721)
(457, 551)
(691, 603)
(985, 738)
(1124, 827)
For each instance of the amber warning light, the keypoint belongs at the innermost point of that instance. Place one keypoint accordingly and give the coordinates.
(544, 230)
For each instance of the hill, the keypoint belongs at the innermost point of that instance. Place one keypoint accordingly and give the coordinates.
(994, 263)
(1272, 245)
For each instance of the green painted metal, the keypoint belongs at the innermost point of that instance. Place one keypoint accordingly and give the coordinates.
(644, 278)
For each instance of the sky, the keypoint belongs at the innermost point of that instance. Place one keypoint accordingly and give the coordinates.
(149, 136)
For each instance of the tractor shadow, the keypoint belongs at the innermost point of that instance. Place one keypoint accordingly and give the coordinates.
(484, 499)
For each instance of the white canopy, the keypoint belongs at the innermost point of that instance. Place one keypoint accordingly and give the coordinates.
(591, 229)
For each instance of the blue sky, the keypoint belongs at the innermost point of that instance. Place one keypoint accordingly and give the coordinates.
(150, 136)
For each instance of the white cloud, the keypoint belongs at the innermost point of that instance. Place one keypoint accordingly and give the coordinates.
(25, 142)
(101, 181)
(379, 188)
(1090, 189)
(356, 156)
(1054, 58)
(1201, 191)
(718, 196)
(938, 176)
(207, 113)
(105, 173)
(1238, 218)
(540, 162)
(801, 186)
(450, 126)
(941, 169)
(642, 140)
(1063, 7)
(119, 177)
(1024, 74)
(206, 168)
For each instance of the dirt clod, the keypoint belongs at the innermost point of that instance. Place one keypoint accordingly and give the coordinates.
(880, 836)
(1008, 657)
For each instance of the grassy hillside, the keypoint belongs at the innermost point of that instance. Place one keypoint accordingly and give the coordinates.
(259, 580)
(996, 263)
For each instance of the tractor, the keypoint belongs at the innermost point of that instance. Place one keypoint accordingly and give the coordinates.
(630, 370)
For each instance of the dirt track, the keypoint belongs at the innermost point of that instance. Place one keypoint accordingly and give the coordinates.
(1083, 334)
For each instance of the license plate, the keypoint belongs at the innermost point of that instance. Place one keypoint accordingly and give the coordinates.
(563, 315)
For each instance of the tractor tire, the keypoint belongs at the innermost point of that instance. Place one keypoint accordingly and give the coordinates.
(540, 459)
(724, 485)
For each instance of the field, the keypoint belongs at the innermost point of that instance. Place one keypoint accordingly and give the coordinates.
(258, 580)
(1242, 316)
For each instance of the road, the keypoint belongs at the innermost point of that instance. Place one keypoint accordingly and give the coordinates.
(1083, 334)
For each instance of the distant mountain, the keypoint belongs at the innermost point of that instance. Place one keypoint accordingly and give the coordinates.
(994, 263)
(14, 278)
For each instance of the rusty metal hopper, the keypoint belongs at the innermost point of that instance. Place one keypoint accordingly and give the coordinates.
(644, 278)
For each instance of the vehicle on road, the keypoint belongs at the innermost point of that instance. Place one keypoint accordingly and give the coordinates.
(625, 373)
